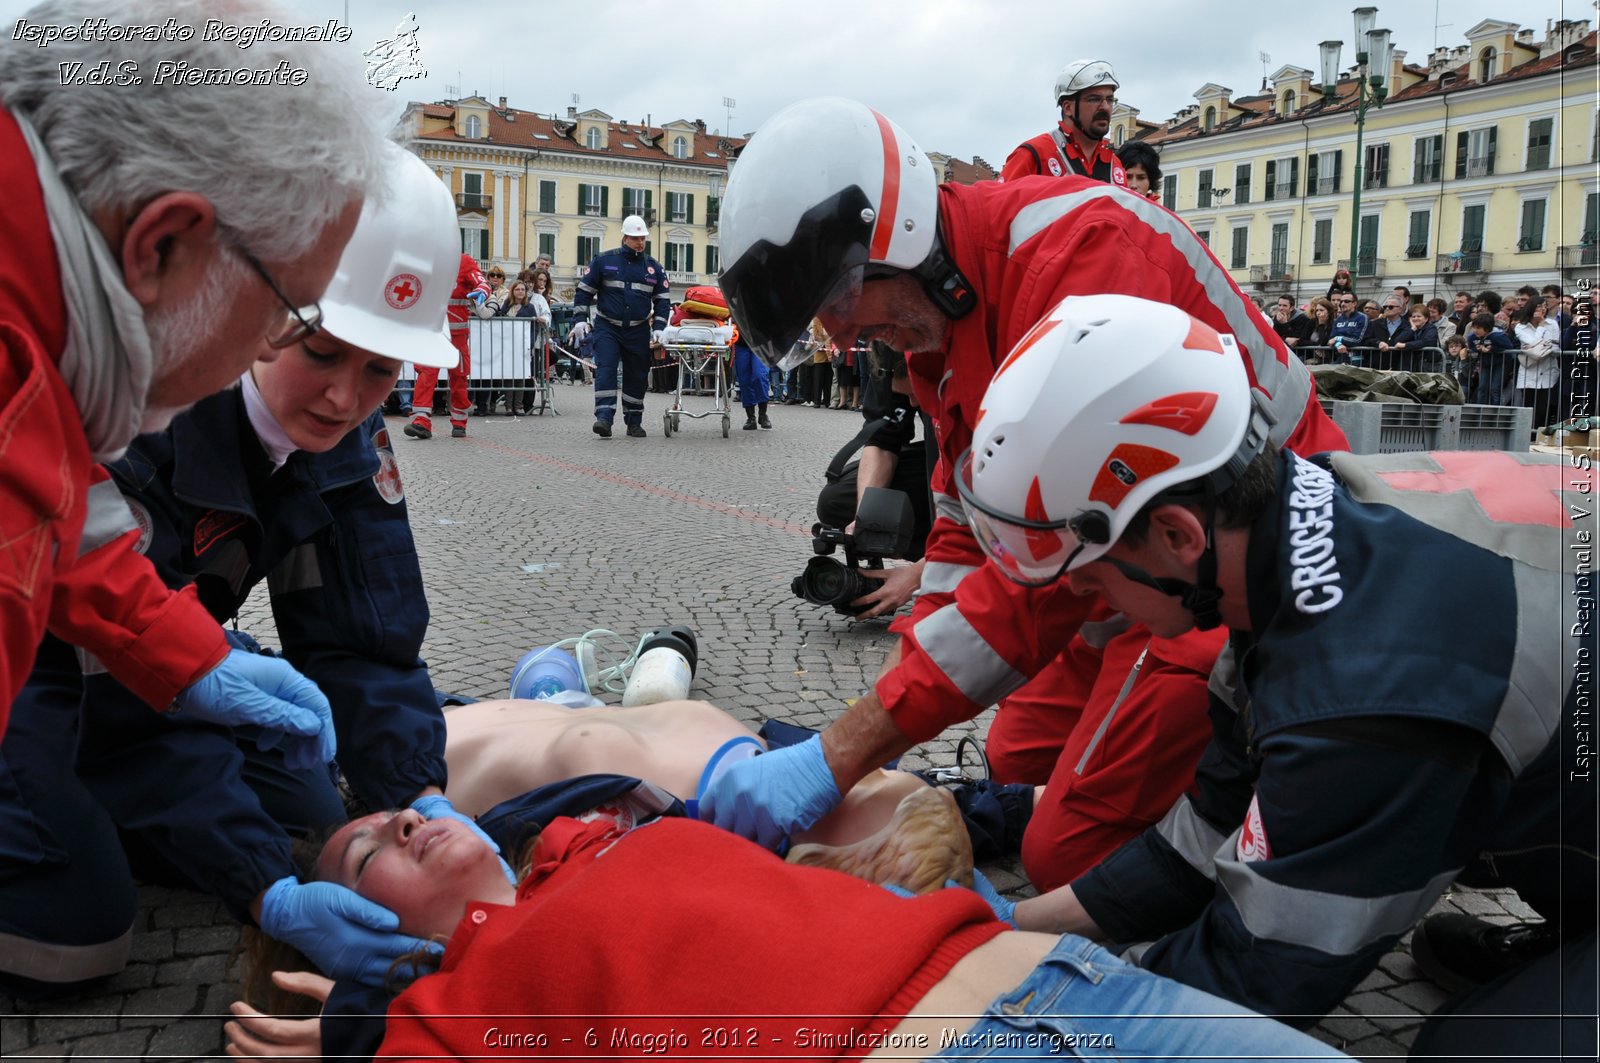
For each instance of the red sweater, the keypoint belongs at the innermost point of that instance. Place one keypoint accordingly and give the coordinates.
(687, 939)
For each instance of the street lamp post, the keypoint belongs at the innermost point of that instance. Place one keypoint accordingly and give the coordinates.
(1374, 54)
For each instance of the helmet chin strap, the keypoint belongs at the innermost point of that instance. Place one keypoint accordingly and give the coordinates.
(943, 282)
(1201, 598)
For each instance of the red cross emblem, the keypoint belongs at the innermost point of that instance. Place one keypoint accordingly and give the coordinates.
(1507, 490)
(402, 291)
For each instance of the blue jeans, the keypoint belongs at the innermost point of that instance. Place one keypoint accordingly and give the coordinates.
(1084, 1002)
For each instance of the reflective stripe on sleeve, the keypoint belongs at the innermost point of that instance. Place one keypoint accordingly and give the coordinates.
(972, 665)
(941, 577)
(108, 517)
(1197, 841)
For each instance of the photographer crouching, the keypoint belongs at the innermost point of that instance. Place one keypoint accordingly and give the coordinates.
(891, 522)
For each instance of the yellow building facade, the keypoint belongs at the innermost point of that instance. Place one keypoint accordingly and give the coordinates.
(1478, 171)
(527, 184)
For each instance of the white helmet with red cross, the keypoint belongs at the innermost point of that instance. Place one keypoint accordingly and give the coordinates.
(394, 279)
(1083, 74)
(826, 190)
(1108, 403)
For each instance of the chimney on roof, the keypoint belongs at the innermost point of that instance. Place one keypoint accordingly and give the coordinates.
(502, 103)
(700, 125)
(572, 113)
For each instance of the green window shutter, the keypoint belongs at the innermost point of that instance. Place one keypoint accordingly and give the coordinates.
(605, 201)
(1313, 177)
(688, 258)
(627, 202)
(1294, 177)
(1272, 180)
(1494, 132)
(1338, 168)
(1461, 155)
(689, 214)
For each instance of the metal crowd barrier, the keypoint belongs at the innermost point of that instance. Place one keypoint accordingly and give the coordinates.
(502, 365)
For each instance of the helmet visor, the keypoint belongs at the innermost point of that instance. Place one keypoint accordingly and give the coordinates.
(774, 290)
(1033, 553)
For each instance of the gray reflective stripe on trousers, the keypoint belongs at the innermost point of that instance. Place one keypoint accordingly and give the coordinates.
(605, 393)
(1099, 732)
(617, 321)
(955, 646)
(1191, 836)
(298, 571)
(45, 962)
(108, 517)
(1287, 385)
(941, 577)
(1333, 923)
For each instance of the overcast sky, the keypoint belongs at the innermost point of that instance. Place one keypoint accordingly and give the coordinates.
(966, 77)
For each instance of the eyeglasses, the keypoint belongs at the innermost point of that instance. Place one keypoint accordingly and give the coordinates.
(1095, 101)
(298, 322)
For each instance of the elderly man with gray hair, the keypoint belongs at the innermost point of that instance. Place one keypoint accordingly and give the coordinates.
(159, 239)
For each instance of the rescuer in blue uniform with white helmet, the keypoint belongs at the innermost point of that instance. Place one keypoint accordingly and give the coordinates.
(627, 297)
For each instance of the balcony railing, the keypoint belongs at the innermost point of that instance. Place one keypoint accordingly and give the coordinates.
(1480, 166)
(1365, 266)
(1478, 262)
(1577, 256)
(474, 201)
(1273, 273)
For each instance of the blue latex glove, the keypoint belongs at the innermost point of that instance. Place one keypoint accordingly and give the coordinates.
(343, 933)
(437, 806)
(477, 297)
(1004, 910)
(247, 688)
(769, 797)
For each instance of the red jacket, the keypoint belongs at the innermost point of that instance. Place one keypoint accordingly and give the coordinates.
(82, 583)
(1023, 246)
(621, 944)
(469, 279)
(1057, 154)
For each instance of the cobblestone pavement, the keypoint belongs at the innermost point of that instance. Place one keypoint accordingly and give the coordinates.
(532, 529)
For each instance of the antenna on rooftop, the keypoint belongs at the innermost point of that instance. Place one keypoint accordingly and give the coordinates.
(1265, 61)
(728, 104)
(575, 99)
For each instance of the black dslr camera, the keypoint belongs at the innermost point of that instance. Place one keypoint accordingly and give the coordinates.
(885, 522)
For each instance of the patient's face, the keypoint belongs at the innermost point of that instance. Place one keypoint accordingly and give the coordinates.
(424, 871)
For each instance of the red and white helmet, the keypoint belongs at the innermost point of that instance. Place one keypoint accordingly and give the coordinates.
(1108, 403)
(394, 278)
(826, 188)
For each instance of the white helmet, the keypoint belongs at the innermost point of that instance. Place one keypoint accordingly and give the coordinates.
(633, 225)
(1082, 74)
(1106, 404)
(395, 276)
(824, 189)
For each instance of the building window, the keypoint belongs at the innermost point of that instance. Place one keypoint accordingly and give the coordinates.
(1288, 102)
(1539, 131)
(472, 197)
(711, 259)
(588, 247)
(1486, 64)
(640, 201)
(680, 207)
(1322, 242)
(547, 197)
(547, 247)
(591, 139)
(713, 212)
(1122, 134)
(680, 148)
(1241, 247)
(1417, 240)
(1211, 118)
(680, 257)
(1283, 177)
(1376, 173)
(1278, 266)
(1428, 160)
(1203, 196)
(1204, 235)
(1169, 191)
(472, 128)
(1241, 183)
(1531, 236)
(1475, 152)
(593, 200)
(1322, 172)
(475, 242)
